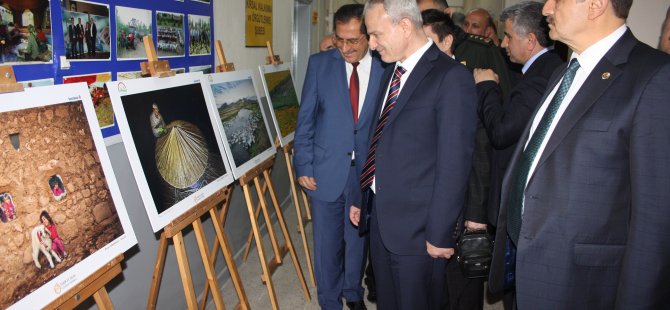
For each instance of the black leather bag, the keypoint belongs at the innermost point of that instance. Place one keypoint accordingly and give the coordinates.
(474, 253)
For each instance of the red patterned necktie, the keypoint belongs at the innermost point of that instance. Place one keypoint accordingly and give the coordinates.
(394, 90)
(353, 91)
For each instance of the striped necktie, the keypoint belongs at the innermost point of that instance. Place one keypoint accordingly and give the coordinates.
(518, 187)
(394, 90)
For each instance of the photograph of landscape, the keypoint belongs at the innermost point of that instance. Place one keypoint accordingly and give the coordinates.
(283, 99)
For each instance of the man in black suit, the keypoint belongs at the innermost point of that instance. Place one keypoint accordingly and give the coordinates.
(585, 198)
(91, 35)
(527, 43)
(72, 37)
(418, 163)
(80, 38)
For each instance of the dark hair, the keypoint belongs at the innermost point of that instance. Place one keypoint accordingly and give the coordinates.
(622, 8)
(348, 12)
(526, 17)
(441, 4)
(46, 215)
(440, 22)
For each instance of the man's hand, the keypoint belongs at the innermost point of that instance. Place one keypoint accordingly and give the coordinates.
(482, 75)
(307, 182)
(436, 252)
(473, 226)
(355, 215)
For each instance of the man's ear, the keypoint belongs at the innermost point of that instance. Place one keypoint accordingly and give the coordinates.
(597, 8)
(531, 41)
(489, 32)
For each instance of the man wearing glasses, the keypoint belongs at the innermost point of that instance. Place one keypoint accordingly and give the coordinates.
(331, 142)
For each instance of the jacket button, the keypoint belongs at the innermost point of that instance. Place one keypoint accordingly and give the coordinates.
(349, 153)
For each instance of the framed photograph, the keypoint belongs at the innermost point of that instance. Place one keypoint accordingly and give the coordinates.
(86, 30)
(207, 69)
(170, 131)
(63, 207)
(25, 27)
(101, 102)
(37, 83)
(241, 117)
(170, 34)
(128, 75)
(200, 35)
(282, 98)
(131, 26)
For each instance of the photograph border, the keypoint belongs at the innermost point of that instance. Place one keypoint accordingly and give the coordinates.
(223, 77)
(53, 95)
(284, 140)
(118, 89)
(185, 21)
(109, 17)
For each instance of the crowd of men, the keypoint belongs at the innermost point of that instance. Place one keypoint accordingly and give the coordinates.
(553, 137)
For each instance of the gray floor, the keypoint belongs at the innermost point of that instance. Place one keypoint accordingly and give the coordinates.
(287, 286)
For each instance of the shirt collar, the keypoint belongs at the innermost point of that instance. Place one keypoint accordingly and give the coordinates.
(413, 59)
(530, 61)
(590, 57)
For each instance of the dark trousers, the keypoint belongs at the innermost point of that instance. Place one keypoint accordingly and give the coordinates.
(463, 293)
(339, 251)
(405, 281)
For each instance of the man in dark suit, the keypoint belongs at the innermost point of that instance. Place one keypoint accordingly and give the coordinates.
(72, 37)
(336, 114)
(91, 35)
(527, 43)
(585, 198)
(418, 163)
(80, 38)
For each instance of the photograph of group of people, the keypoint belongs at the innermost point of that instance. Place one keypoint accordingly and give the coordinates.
(25, 33)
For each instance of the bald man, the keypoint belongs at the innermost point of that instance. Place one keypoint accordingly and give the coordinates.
(479, 22)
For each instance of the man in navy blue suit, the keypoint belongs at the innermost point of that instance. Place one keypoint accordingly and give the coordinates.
(417, 167)
(585, 198)
(336, 114)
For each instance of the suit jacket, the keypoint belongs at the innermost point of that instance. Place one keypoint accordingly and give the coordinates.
(423, 156)
(326, 134)
(594, 232)
(504, 118)
(72, 32)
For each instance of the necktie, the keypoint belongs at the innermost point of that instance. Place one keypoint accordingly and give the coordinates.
(518, 187)
(394, 90)
(353, 91)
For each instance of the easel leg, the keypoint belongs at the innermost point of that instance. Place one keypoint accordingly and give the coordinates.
(102, 299)
(158, 272)
(287, 237)
(259, 247)
(184, 271)
(222, 239)
(264, 188)
(209, 267)
(301, 225)
(268, 220)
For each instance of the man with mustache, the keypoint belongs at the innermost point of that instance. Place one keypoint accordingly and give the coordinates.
(585, 199)
(336, 114)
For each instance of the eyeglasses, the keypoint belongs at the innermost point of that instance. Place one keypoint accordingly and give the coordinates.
(340, 42)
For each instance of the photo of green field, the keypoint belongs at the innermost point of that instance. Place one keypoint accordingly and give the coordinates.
(284, 100)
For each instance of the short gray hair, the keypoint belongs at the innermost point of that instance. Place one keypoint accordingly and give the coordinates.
(526, 17)
(399, 9)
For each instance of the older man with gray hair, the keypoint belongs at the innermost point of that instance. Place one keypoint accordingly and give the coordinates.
(417, 167)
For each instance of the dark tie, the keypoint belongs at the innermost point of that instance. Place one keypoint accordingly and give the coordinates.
(353, 91)
(518, 187)
(394, 90)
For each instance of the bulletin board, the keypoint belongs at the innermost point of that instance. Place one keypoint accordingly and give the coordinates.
(197, 23)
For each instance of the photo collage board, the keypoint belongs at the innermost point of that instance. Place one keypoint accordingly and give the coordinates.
(95, 41)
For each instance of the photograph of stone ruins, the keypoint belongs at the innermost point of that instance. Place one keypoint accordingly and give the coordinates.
(56, 208)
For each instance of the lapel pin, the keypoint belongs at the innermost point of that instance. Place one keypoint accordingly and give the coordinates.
(605, 76)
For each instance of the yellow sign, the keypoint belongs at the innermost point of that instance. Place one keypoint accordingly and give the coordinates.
(259, 22)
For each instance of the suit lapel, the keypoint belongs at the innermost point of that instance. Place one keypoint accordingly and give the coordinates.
(369, 105)
(340, 78)
(416, 76)
(595, 85)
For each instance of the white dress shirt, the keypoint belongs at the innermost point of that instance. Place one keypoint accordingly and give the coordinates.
(588, 60)
(364, 68)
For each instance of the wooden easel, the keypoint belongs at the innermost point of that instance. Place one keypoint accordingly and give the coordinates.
(93, 285)
(192, 218)
(268, 269)
(223, 67)
(288, 156)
